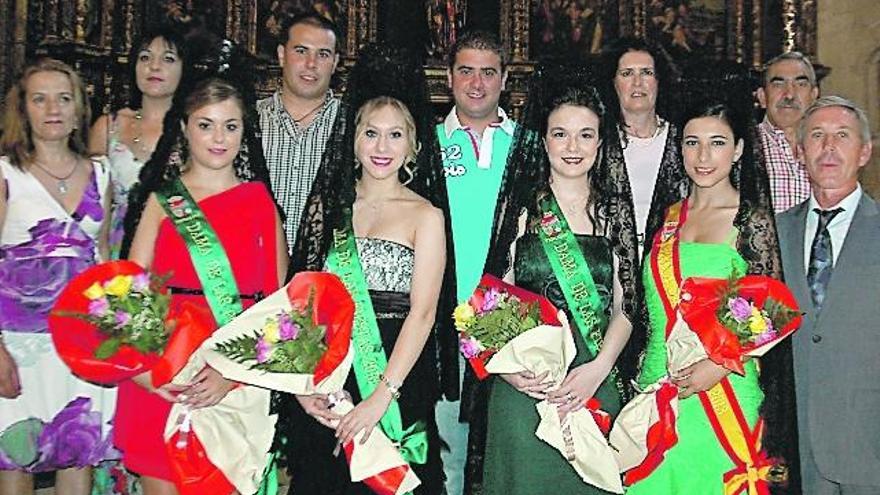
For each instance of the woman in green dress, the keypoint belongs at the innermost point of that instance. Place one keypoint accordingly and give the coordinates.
(724, 226)
(560, 145)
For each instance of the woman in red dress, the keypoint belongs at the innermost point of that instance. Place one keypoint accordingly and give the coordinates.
(209, 162)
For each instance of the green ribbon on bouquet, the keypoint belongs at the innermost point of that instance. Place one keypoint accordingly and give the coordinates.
(414, 444)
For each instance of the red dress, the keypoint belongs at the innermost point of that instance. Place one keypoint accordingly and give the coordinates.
(244, 219)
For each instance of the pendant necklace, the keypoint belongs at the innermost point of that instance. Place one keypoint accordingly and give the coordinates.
(307, 114)
(137, 140)
(61, 183)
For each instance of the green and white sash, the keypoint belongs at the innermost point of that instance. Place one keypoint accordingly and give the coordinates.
(574, 276)
(207, 254)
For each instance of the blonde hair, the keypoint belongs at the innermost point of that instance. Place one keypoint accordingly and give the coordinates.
(409, 124)
(17, 143)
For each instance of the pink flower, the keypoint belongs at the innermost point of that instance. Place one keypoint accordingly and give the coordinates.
(122, 318)
(765, 337)
(141, 282)
(740, 308)
(264, 350)
(469, 347)
(490, 300)
(287, 328)
(98, 307)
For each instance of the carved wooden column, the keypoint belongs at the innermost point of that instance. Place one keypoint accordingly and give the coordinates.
(514, 36)
(757, 34)
(13, 37)
(739, 31)
(79, 32)
(361, 27)
(514, 29)
(789, 25)
(806, 39)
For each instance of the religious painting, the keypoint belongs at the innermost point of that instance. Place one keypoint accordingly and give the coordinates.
(445, 19)
(688, 27)
(567, 29)
(208, 13)
(271, 15)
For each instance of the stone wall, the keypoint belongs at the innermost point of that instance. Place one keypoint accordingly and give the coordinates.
(849, 42)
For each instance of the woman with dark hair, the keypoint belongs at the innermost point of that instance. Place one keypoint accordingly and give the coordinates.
(129, 136)
(53, 214)
(379, 197)
(208, 162)
(560, 147)
(638, 89)
(722, 227)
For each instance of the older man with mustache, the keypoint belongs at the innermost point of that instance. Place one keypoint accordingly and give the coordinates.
(789, 88)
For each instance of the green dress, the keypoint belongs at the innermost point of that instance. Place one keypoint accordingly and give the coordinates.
(696, 464)
(516, 461)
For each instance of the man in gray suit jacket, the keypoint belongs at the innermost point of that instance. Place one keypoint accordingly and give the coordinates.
(830, 245)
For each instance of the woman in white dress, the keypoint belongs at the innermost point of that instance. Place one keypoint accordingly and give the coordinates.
(54, 207)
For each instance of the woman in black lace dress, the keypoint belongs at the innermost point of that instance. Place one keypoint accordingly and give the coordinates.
(379, 198)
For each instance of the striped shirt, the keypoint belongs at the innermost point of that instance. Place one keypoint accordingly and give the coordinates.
(789, 182)
(293, 154)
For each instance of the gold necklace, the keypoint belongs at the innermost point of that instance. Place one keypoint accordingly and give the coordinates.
(61, 185)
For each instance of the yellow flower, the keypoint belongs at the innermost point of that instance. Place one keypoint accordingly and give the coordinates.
(271, 332)
(119, 285)
(463, 314)
(95, 291)
(757, 325)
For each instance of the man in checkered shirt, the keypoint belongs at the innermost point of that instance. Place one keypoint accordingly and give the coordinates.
(297, 119)
(789, 88)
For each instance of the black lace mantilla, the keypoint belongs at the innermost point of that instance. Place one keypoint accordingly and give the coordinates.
(380, 70)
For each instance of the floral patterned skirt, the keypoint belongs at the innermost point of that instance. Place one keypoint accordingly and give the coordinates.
(58, 421)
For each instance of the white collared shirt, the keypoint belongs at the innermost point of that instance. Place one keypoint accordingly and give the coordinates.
(837, 228)
(483, 150)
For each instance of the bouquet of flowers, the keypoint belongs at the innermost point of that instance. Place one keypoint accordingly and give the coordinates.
(128, 310)
(495, 315)
(113, 322)
(506, 329)
(740, 316)
(724, 320)
(288, 342)
(297, 340)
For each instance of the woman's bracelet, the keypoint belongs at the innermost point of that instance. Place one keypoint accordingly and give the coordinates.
(392, 387)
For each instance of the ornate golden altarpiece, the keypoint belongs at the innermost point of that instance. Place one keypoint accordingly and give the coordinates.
(96, 35)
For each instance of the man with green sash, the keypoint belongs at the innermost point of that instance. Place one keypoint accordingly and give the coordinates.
(474, 139)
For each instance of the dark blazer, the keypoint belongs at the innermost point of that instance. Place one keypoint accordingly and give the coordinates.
(837, 352)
